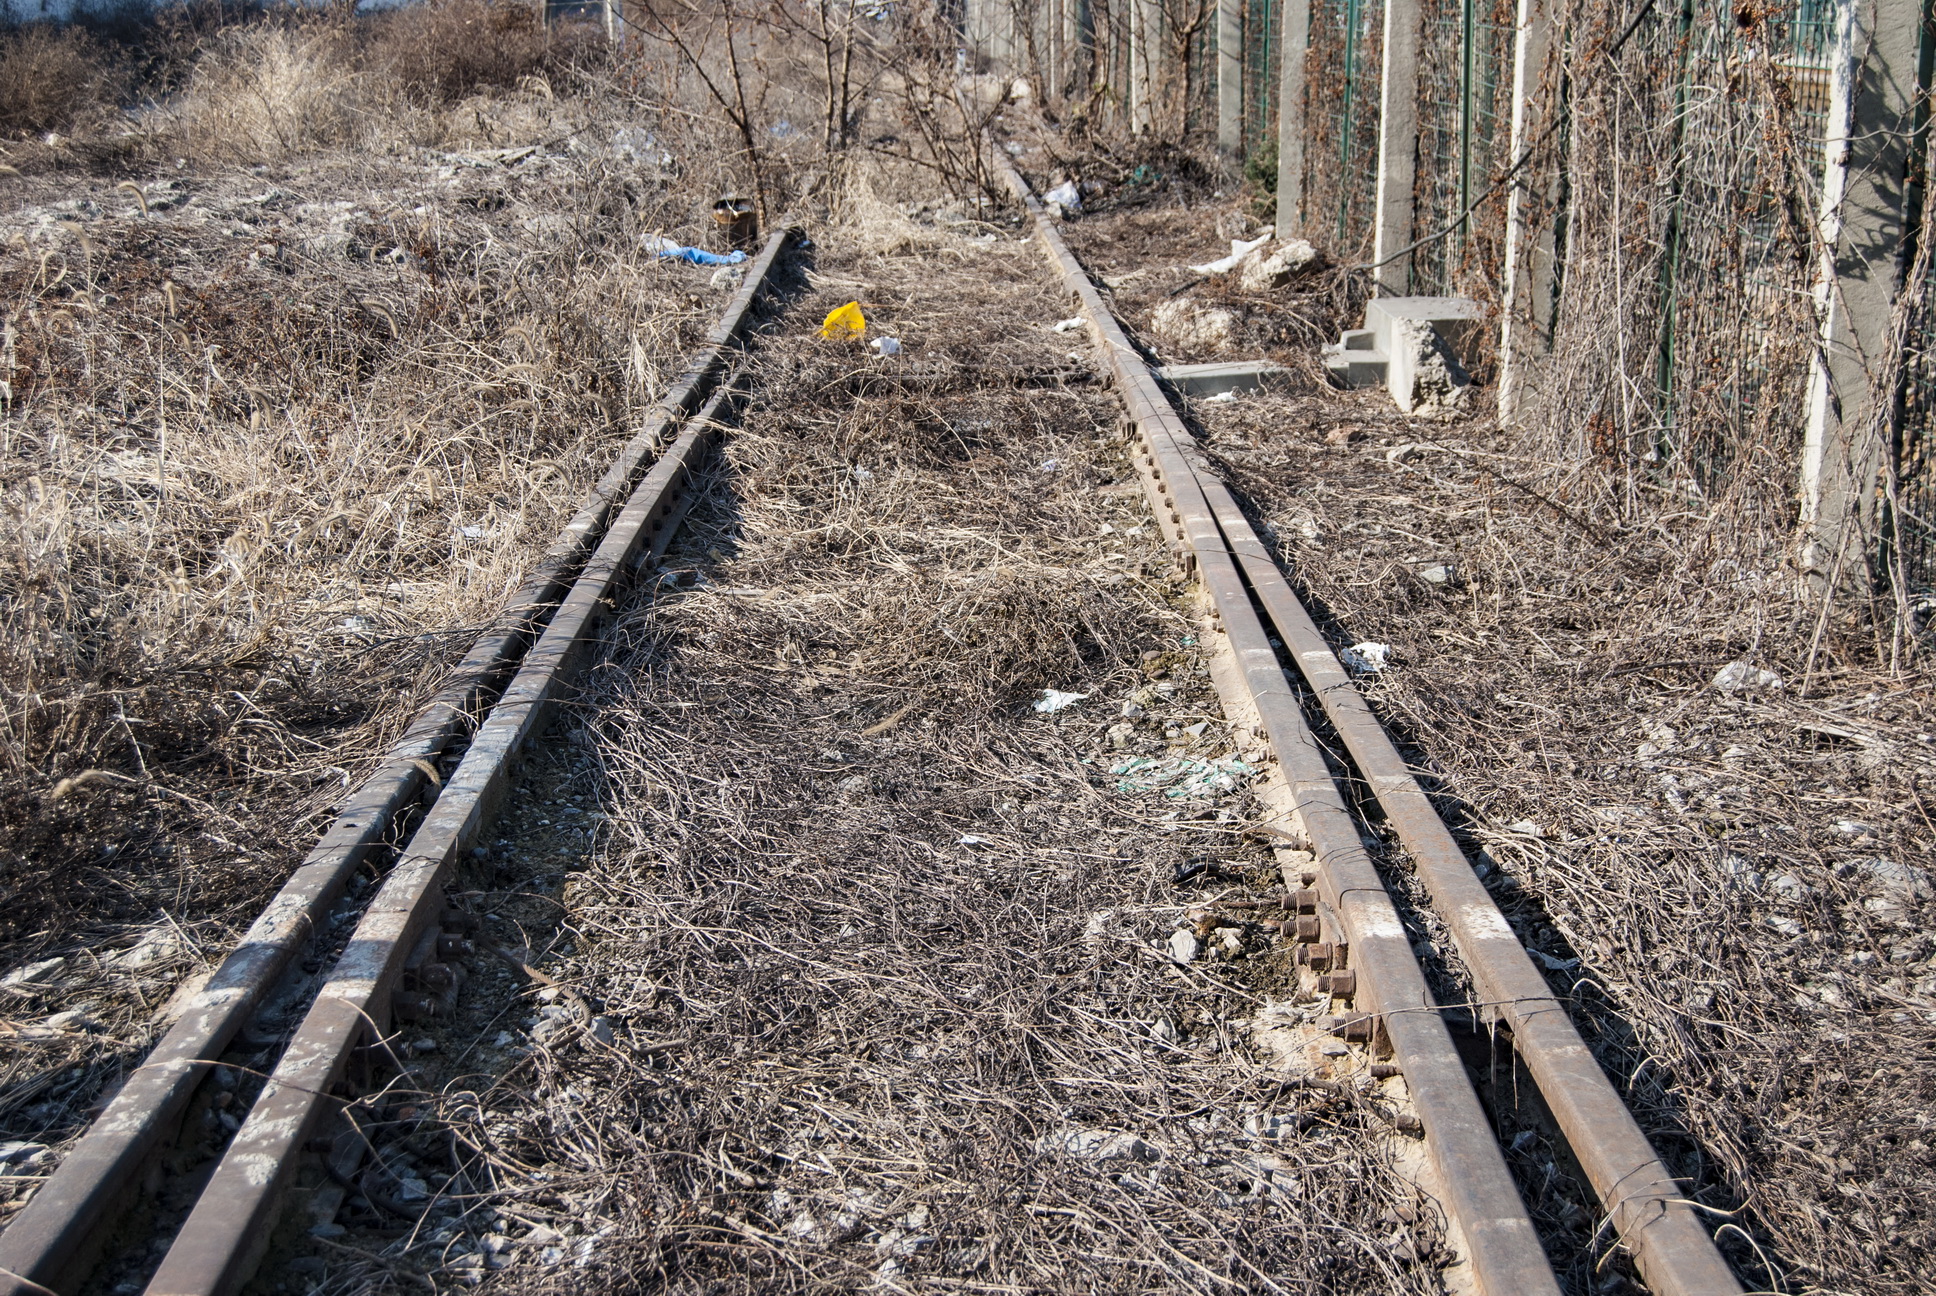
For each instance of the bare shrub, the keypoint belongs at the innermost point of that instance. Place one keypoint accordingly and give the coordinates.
(48, 75)
(447, 49)
(271, 89)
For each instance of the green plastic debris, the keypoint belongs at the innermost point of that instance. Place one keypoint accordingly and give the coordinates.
(1181, 778)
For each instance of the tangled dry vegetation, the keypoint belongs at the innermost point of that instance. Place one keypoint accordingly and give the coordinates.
(303, 364)
(1731, 884)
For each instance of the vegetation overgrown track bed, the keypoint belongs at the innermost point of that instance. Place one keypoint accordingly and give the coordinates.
(868, 978)
(1731, 890)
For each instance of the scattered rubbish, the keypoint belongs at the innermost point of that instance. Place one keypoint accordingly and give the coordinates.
(1054, 700)
(1018, 91)
(1183, 945)
(844, 322)
(1527, 828)
(1121, 735)
(1553, 964)
(729, 276)
(1181, 777)
(23, 1156)
(738, 220)
(671, 250)
(1239, 249)
(1438, 574)
(1366, 658)
(1739, 677)
(1221, 398)
(1050, 465)
(1069, 325)
(971, 840)
(33, 972)
(886, 346)
(472, 532)
(1064, 200)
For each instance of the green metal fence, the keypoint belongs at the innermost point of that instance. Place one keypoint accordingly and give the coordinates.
(1737, 321)
(1341, 81)
(1464, 136)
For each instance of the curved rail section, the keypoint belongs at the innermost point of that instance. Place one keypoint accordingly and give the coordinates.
(58, 1238)
(1673, 1250)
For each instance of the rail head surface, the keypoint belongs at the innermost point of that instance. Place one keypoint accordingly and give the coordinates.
(55, 1241)
(1504, 1248)
(1673, 1250)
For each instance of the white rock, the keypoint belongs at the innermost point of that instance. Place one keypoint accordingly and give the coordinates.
(1185, 324)
(1898, 881)
(1266, 271)
(1739, 677)
(1098, 1145)
(1183, 945)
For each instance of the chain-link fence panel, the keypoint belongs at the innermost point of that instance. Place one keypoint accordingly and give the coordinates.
(1341, 80)
(1684, 147)
(1465, 74)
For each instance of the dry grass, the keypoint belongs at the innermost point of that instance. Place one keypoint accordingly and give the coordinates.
(280, 425)
(49, 76)
(1744, 879)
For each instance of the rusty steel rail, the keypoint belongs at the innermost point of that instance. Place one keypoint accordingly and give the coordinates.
(1674, 1252)
(56, 1240)
(228, 1231)
(1504, 1248)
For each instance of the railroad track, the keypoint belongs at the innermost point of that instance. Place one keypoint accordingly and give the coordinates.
(1348, 924)
(403, 958)
(398, 953)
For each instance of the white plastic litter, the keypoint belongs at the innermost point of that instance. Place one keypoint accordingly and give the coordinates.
(1366, 658)
(1054, 700)
(1065, 197)
(886, 346)
(1069, 325)
(1239, 249)
(1221, 398)
(1739, 677)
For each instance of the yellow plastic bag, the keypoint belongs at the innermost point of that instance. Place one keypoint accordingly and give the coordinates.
(845, 322)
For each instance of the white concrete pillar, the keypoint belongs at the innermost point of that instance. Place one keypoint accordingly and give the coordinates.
(1293, 132)
(1863, 223)
(1230, 76)
(1145, 50)
(1397, 147)
(1526, 298)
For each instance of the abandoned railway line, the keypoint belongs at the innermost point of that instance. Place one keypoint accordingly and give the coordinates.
(369, 940)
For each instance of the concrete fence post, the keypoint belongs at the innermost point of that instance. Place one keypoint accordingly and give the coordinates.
(1293, 131)
(1864, 218)
(1526, 298)
(1230, 76)
(1397, 148)
(1144, 44)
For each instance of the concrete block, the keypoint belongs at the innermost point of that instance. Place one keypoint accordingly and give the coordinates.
(1216, 379)
(1413, 345)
